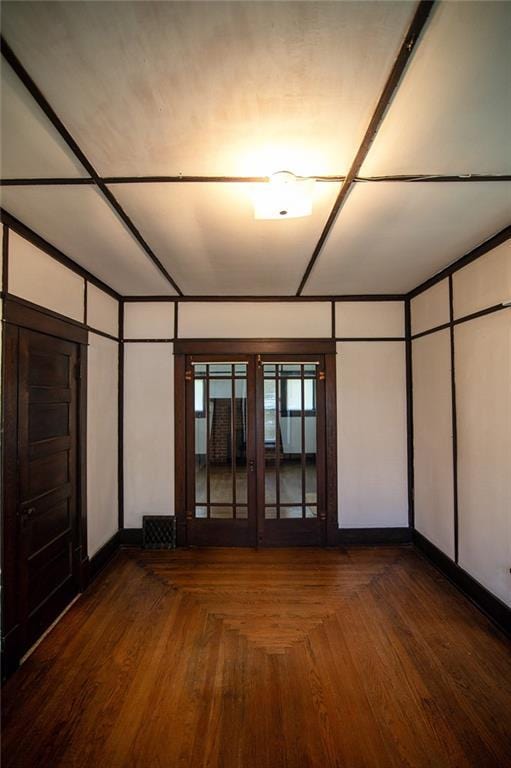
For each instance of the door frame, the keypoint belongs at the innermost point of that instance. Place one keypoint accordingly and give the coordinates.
(19, 314)
(263, 347)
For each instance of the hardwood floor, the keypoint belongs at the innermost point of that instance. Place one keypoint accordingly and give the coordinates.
(279, 658)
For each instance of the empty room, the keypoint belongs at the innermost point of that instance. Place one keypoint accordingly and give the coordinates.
(256, 384)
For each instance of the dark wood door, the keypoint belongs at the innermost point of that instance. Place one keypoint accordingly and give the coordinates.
(221, 507)
(255, 446)
(48, 567)
(291, 466)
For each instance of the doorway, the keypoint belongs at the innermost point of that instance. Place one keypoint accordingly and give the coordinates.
(255, 444)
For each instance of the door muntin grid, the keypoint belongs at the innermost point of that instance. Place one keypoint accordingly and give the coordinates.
(221, 439)
(290, 440)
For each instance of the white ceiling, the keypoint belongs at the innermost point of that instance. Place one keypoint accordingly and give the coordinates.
(78, 221)
(206, 235)
(31, 146)
(248, 88)
(452, 112)
(392, 236)
(211, 88)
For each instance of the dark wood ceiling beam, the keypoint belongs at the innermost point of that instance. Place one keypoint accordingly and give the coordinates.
(435, 179)
(409, 178)
(419, 20)
(43, 103)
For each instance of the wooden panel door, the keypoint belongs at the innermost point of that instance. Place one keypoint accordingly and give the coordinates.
(48, 567)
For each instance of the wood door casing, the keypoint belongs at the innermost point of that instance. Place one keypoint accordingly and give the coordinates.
(48, 562)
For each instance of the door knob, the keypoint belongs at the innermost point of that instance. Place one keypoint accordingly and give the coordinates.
(28, 512)
(251, 465)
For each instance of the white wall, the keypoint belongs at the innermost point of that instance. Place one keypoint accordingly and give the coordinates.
(36, 277)
(148, 320)
(102, 311)
(148, 431)
(372, 449)
(102, 448)
(482, 372)
(260, 320)
(483, 283)
(430, 308)
(432, 439)
(369, 319)
(483, 397)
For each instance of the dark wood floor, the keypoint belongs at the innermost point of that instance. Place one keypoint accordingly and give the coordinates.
(271, 659)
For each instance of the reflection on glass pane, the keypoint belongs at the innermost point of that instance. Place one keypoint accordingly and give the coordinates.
(292, 391)
(269, 370)
(290, 369)
(290, 479)
(287, 513)
(201, 512)
(220, 440)
(220, 369)
(269, 412)
(200, 477)
(310, 467)
(270, 479)
(199, 369)
(241, 485)
(221, 513)
(240, 439)
(200, 403)
(240, 369)
(270, 513)
(242, 513)
(220, 483)
(311, 511)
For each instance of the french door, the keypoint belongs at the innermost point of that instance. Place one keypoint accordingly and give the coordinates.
(254, 433)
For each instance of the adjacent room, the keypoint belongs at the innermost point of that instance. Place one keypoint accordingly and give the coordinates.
(256, 384)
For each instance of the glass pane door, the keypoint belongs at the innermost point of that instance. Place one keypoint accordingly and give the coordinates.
(220, 449)
(289, 455)
(290, 441)
(221, 426)
(254, 442)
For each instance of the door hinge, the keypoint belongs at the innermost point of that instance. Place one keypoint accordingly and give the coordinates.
(188, 375)
(322, 375)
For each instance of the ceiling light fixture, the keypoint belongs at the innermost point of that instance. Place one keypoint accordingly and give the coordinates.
(283, 196)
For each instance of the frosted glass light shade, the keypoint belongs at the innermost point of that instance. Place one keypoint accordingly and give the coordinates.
(284, 196)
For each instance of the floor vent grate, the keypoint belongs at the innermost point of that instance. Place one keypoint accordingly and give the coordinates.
(158, 532)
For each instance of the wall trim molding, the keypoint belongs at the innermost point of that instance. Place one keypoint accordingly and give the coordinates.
(103, 556)
(480, 596)
(215, 298)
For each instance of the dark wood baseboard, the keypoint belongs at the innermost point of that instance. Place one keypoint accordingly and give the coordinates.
(131, 537)
(369, 536)
(103, 556)
(482, 598)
